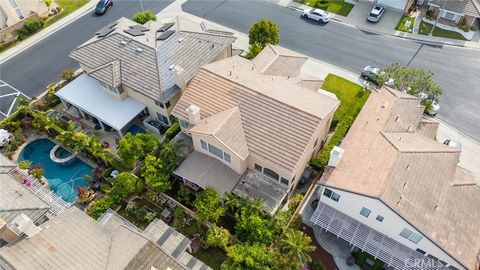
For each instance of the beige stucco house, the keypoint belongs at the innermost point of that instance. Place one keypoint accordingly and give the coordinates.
(14, 11)
(455, 12)
(135, 73)
(254, 124)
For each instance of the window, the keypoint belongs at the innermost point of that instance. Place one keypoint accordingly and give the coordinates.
(284, 181)
(162, 118)
(411, 236)
(406, 233)
(14, 3)
(335, 197)
(331, 194)
(204, 144)
(159, 104)
(227, 157)
(270, 173)
(19, 14)
(449, 15)
(258, 168)
(327, 192)
(214, 150)
(415, 238)
(379, 218)
(184, 124)
(365, 212)
(420, 251)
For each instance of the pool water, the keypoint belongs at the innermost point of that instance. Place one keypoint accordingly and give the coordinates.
(62, 178)
(134, 129)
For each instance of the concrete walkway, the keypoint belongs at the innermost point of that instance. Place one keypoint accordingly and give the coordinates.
(44, 33)
(386, 26)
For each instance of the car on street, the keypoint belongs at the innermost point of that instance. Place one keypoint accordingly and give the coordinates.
(103, 6)
(376, 13)
(317, 14)
(453, 144)
(372, 74)
(434, 107)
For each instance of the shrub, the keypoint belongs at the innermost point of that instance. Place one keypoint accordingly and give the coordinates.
(464, 27)
(318, 266)
(321, 5)
(67, 74)
(320, 163)
(37, 172)
(474, 28)
(429, 14)
(48, 2)
(25, 165)
(172, 131)
(22, 33)
(143, 17)
(98, 207)
(32, 25)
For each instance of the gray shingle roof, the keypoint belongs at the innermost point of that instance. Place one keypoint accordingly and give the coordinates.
(144, 63)
(470, 7)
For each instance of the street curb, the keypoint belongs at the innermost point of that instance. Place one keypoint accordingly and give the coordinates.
(385, 34)
(36, 38)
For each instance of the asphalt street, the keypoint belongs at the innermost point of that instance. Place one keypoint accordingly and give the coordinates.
(457, 69)
(33, 69)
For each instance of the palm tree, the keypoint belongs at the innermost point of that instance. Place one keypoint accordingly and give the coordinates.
(171, 154)
(295, 245)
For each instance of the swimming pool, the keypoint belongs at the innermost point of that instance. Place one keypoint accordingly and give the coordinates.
(134, 129)
(62, 178)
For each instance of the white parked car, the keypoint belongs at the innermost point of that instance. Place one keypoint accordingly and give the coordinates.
(376, 13)
(434, 108)
(317, 14)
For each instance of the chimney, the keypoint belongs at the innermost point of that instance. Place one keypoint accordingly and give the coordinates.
(180, 77)
(335, 156)
(193, 115)
(22, 224)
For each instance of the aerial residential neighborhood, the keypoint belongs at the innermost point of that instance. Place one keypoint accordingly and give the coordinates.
(257, 135)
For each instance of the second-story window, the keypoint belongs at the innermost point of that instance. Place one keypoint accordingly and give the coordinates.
(214, 150)
(270, 173)
(227, 157)
(204, 144)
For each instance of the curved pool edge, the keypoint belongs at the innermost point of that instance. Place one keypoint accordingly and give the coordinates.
(61, 160)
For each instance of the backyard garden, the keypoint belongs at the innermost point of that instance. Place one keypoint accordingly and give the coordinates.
(352, 98)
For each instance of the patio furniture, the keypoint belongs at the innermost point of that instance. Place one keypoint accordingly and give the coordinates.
(89, 132)
(166, 215)
(171, 204)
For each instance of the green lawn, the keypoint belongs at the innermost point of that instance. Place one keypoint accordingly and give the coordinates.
(213, 257)
(339, 7)
(351, 95)
(425, 29)
(401, 24)
(68, 6)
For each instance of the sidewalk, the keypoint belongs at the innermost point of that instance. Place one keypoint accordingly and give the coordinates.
(44, 33)
(386, 26)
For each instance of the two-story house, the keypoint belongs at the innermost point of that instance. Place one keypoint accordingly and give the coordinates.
(255, 124)
(134, 70)
(396, 193)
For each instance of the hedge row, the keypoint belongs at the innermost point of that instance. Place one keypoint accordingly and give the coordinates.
(172, 131)
(321, 162)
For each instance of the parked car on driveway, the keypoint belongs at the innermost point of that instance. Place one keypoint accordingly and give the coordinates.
(453, 144)
(103, 6)
(434, 107)
(317, 14)
(371, 74)
(376, 13)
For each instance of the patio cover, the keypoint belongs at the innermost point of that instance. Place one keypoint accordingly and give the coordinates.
(206, 171)
(86, 93)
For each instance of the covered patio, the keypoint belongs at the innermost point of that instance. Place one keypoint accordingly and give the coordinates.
(92, 102)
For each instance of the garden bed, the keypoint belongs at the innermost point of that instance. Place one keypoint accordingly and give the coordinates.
(135, 219)
(402, 24)
(339, 7)
(213, 257)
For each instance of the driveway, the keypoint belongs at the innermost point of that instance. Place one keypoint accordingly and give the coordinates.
(358, 17)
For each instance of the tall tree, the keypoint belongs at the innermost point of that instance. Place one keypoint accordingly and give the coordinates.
(155, 174)
(218, 236)
(208, 205)
(263, 32)
(253, 227)
(124, 184)
(295, 246)
(171, 154)
(249, 257)
(133, 148)
(411, 80)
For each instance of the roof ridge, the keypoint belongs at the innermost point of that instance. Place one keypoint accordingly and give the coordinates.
(224, 121)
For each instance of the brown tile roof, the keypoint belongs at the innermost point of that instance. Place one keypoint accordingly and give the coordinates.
(470, 7)
(275, 60)
(278, 116)
(227, 127)
(386, 159)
